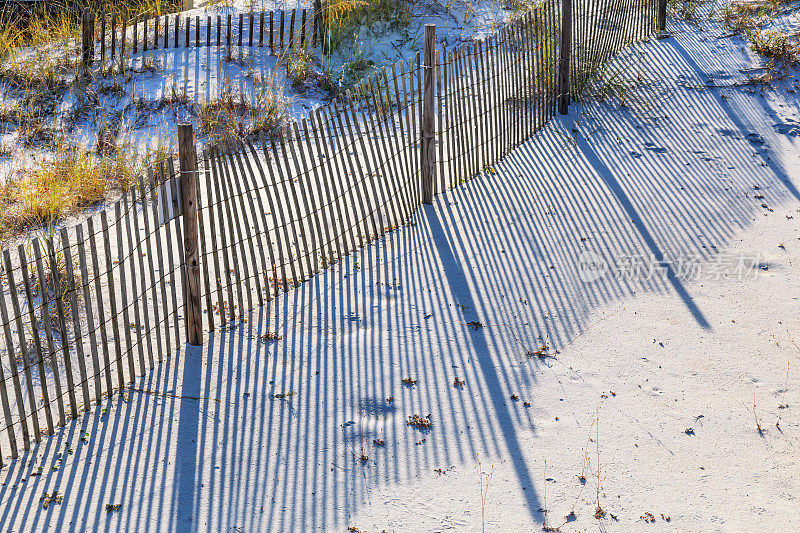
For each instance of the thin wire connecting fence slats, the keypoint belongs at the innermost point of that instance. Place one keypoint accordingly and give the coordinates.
(84, 311)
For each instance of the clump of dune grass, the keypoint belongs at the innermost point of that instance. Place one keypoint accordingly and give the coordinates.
(744, 15)
(299, 67)
(234, 113)
(59, 184)
(775, 45)
(342, 17)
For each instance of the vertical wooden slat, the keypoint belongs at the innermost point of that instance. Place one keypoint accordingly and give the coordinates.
(12, 364)
(114, 38)
(123, 32)
(76, 326)
(244, 192)
(281, 47)
(26, 370)
(241, 28)
(228, 33)
(261, 29)
(148, 234)
(90, 324)
(203, 248)
(440, 134)
(43, 386)
(227, 252)
(279, 213)
(102, 41)
(250, 30)
(124, 302)
(483, 106)
(271, 33)
(292, 44)
(44, 298)
(427, 124)
(191, 249)
(112, 296)
(139, 298)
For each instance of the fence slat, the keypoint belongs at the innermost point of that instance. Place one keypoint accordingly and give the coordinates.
(153, 289)
(76, 326)
(38, 346)
(234, 222)
(46, 317)
(226, 251)
(244, 190)
(13, 365)
(26, 368)
(284, 249)
(112, 294)
(162, 276)
(90, 324)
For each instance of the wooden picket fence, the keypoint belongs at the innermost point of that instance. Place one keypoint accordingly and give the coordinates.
(88, 310)
(111, 38)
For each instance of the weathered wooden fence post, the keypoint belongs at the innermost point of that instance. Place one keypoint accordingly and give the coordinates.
(194, 324)
(564, 56)
(662, 18)
(428, 143)
(87, 38)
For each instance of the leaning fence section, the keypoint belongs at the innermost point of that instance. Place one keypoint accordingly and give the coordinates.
(87, 310)
(276, 210)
